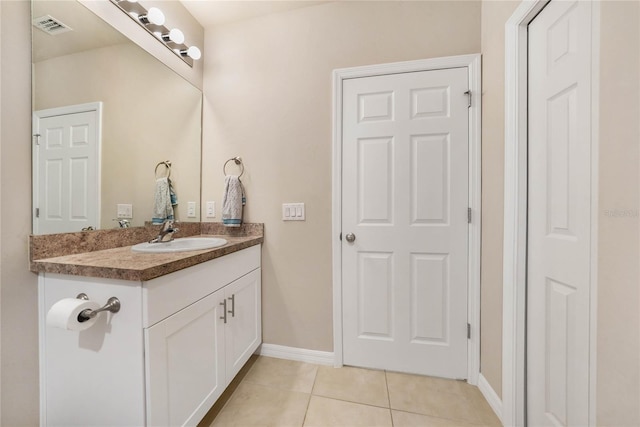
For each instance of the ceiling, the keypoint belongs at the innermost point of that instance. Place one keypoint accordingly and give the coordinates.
(212, 13)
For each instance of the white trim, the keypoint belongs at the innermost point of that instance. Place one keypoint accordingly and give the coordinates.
(475, 228)
(1, 149)
(490, 396)
(59, 111)
(336, 217)
(515, 214)
(298, 354)
(595, 185)
(473, 64)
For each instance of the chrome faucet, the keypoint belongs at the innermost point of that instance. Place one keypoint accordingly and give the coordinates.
(123, 223)
(166, 234)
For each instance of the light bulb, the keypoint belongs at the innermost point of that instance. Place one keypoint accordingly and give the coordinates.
(153, 16)
(192, 52)
(175, 35)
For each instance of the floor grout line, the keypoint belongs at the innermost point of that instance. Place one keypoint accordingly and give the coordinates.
(306, 411)
(386, 383)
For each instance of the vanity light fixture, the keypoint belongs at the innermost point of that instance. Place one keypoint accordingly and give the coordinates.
(153, 21)
(175, 35)
(153, 16)
(192, 52)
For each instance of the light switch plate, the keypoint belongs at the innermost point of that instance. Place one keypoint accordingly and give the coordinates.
(293, 212)
(191, 209)
(211, 210)
(124, 211)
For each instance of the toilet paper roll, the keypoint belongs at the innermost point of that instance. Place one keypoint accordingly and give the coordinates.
(64, 314)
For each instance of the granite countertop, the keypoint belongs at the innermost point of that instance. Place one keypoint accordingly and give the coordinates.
(122, 263)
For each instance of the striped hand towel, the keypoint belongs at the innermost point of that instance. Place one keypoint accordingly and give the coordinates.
(232, 201)
(162, 209)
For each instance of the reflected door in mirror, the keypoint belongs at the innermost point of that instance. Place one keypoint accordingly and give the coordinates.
(66, 169)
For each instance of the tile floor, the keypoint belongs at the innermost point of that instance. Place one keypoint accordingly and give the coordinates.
(279, 393)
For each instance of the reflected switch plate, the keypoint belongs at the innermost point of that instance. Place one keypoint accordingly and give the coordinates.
(211, 209)
(124, 211)
(191, 209)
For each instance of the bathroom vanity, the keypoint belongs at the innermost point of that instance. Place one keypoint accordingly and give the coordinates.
(180, 337)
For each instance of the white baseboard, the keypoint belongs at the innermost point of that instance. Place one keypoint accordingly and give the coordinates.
(490, 394)
(297, 354)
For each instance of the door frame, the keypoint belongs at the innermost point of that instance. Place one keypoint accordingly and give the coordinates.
(473, 65)
(60, 111)
(515, 211)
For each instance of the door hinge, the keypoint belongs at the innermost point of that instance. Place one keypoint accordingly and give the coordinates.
(37, 137)
(468, 93)
(469, 215)
(468, 331)
(37, 212)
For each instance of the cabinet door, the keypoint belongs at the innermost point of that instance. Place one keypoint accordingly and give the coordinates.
(185, 363)
(244, 321)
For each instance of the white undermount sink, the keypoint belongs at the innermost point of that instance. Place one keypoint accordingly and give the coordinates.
(182, 244)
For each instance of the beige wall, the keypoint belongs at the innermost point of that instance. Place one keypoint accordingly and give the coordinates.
(268, 99)
(618, 355)
(150, 114)
(494, 16)
(18, 287)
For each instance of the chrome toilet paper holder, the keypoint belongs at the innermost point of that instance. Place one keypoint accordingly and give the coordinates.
(112, 305)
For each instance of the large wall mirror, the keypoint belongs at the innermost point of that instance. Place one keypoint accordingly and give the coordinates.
(106, 114)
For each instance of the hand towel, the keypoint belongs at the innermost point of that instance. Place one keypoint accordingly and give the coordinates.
(232, 201)
(172, 194)
(162, 209)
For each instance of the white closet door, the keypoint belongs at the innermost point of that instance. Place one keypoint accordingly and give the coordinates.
(559, 227)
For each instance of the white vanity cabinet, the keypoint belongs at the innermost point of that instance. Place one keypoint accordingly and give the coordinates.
(165, 358)
(193, 355)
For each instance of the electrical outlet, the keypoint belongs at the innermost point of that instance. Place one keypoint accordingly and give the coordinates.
(211, 209)
(124, 211)
(191, 209)
(293, 212)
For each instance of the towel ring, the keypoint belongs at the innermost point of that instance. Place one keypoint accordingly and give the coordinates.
(167, 164)
(237, 161)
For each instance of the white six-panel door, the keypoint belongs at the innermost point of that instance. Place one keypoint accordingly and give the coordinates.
(66, 169)
(404, 201)
(559, 209)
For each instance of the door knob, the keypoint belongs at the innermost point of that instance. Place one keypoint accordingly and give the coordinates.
(350, 237)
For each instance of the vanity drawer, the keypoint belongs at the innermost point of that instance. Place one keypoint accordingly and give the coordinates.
(168, 294)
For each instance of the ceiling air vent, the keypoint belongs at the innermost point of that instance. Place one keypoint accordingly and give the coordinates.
(50, 25)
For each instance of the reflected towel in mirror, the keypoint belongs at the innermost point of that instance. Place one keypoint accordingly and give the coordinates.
(232, 201)
(162, 206)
